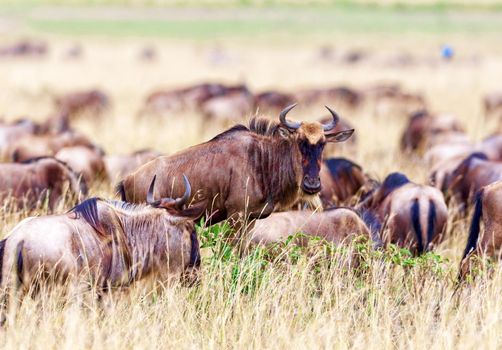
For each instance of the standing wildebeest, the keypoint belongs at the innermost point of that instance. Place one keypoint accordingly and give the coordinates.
(118, 166)
(250, 171)
(334, 225)
(272, 101)
(34, 179)
(493, 103)
(414, 215)
(11, 132)
(341, 180)
(111, 243)
(488, 206)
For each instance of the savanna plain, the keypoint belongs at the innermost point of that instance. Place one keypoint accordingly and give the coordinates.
(285, 296)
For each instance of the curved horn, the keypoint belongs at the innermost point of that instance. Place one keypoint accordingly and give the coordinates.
(332, 124)
(179, 202)
(288, 124)
(149, 196)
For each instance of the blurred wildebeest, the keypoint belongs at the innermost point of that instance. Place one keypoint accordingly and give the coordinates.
(424, 129)
(175, 100)
(390, 99)
(406, 214)
(148, 54)
(341, 181)
(24, 48)
(234, 105)
(91, 102)
(33, 146)
(354, 56)
(74, 52)
(272, 101)
(334, 225)
(118, 166)
(85, 161)
(110, 243)
(340, 95)
(11, 132)
(487, 208)
(249, 171)
(473, 173)
(37, 180)
(493, 104)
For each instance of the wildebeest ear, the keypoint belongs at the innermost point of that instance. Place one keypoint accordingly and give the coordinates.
(193, 212)
(339, 136)
(284, 132)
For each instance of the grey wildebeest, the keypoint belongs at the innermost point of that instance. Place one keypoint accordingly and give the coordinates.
(107, 243)
(30, 182)
(407, 214)
(248, 172)
(336, 225)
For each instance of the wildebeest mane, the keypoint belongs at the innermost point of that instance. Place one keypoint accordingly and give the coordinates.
(88, 210)
(338, 164)
(263, 126)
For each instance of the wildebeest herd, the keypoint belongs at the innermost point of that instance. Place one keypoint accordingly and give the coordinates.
(263, 178)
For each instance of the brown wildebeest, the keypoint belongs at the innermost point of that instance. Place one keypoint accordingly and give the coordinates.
(473, 173)
(272, 101)
(111, 243)
(487, 208)
(334, 225)
(493, 103)
(33, 146)
(93, 102)
(24, 48)
(30, 182)
(424, 129)
(248, 172)
(334, 95)
(233, 106)
(407, 214)
(391, 99)
(85, 161)
(175, 100)
(118, 166)
(341, 180)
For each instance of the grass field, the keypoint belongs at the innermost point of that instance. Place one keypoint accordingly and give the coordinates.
(288, 297)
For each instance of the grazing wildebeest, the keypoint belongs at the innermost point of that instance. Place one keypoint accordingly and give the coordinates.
(30, 182)
(391, 99)
(32, 146)
(248, 171)
(407, 214)
(473, 173)
(85, 161)
(334, 225)
(339, 95)
(341, 180)
(93, 102)
(118, 166)
(108, 242)
(487, 209)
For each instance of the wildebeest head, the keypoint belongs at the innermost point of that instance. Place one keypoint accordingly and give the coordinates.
(311, 137)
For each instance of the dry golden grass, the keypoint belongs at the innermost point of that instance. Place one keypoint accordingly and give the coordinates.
(300, 299)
